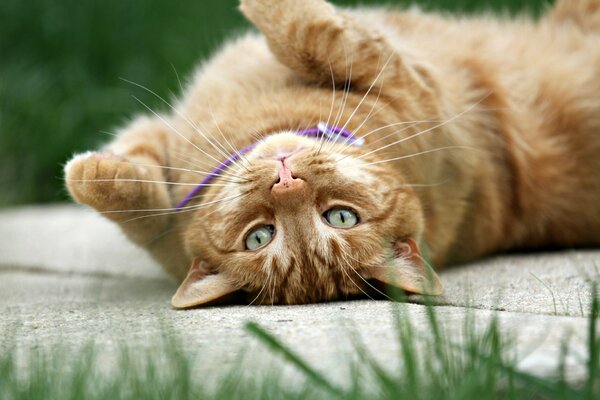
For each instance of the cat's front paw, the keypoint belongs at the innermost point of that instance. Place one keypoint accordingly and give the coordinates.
(107, 181)
(257, 10)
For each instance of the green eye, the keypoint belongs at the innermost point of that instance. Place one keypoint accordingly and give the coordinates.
(341, 217)
(259, 237)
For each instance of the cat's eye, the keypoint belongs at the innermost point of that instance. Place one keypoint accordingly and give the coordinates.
(341, 217)
(259, 237)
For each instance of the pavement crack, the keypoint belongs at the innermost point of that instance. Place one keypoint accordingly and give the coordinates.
(502, 310)
(27, 269)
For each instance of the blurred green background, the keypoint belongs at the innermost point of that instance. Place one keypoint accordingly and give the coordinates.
(62, 63)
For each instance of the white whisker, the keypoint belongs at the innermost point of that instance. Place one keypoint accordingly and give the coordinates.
(178, 80)
(265, 285)
(110, 133)
(192, 124)
(367, 118)
(393, 133)
(347, 254)
(322, 140)
(148, 181)
(346, 94)
(422, 132)
(422, 153)
(352, 280)
(233, 149)
(272, 283)
(193, 171)
(421, 185)
(381, 139)
(365, 96)
(175, 130)
(191, 160)
(182, 210)
(425, 121)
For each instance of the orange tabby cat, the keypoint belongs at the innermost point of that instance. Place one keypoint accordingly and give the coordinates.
(480, 135)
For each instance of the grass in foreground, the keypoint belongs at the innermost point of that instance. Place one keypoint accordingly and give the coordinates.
(433, 367)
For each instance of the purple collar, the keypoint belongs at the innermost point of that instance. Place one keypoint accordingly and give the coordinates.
(322, 130)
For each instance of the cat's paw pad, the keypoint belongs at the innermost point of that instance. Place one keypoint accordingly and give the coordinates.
(105, 181)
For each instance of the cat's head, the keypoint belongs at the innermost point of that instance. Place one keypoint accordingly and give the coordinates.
(305, 221)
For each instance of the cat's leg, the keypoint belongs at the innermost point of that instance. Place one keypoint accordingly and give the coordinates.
(126, 178)
(320, 42)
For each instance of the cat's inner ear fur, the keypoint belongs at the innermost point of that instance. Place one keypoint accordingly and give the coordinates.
(202, 287)
(408, 271)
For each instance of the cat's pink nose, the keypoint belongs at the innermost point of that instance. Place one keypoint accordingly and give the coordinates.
(287, 182)
(288, 187)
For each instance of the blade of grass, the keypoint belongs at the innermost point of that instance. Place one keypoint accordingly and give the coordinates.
(549, 290)
(275, 345)
(593, 345)
(388, 384)
(405, 334)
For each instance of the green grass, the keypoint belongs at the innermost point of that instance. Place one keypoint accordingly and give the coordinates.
(434, 366)
(61, 64)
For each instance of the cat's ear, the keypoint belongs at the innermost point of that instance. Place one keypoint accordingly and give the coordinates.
(200, 287)
(409, 271)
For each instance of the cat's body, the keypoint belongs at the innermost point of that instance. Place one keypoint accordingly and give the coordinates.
(499, 123)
